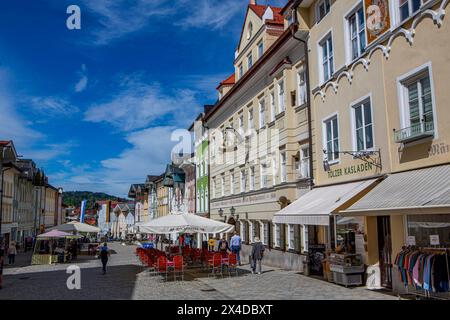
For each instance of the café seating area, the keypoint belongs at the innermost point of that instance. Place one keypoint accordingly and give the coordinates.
(175, 261)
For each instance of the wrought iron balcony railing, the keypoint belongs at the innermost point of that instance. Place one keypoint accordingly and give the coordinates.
(416, 132)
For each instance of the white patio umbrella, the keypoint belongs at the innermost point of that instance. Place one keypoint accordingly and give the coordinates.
(77, 227)
(184, 223)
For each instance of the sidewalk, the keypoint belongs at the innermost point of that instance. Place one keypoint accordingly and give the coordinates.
(23, 259)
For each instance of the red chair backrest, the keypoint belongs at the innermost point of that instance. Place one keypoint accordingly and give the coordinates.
(162, 263)
(217, 259)
(232, 259)
(178, 263)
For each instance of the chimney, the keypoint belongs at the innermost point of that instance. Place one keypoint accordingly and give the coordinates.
(252, 2)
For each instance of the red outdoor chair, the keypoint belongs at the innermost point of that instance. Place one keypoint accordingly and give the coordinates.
(161, 266)
(178, 267)
(232, 263)
(216, 265)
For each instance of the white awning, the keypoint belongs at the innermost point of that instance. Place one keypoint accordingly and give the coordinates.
(422, 191)
(315, 207)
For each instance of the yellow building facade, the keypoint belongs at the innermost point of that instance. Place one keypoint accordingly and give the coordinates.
(379, 99)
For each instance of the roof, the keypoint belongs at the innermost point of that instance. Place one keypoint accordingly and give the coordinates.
(261, 9)
(228, 81)
(316, 206)
(423, 188)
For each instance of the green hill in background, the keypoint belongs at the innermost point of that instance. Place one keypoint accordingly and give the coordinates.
(74, 198)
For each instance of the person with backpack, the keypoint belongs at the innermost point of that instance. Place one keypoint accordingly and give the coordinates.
(104, 255)
(257, 255)
(223, 246)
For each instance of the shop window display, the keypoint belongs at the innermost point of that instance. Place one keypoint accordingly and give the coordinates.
(348, 231)
(422, 227)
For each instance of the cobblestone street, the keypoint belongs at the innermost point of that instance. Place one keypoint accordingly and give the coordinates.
(126, 279)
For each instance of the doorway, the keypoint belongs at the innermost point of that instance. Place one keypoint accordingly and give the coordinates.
(385, 250)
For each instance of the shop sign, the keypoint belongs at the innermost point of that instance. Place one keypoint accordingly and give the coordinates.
(377, 17)
(410, 240)
(360, 168)
(434, 240)
(246, 200)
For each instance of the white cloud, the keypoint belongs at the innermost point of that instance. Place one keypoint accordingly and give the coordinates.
(13, 126)
(209, 13)
(82, 83)
(49, 151)
(52, 106)
(149, 152)
(138, 105)
(119, 18)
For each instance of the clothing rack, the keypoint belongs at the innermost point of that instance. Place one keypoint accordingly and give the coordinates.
(423, 292)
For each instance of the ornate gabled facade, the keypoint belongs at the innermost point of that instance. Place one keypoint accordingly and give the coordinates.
(258, 132)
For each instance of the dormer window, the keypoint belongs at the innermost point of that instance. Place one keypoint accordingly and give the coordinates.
(249, 31)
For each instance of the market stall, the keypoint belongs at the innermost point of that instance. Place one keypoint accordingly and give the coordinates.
(50, 247)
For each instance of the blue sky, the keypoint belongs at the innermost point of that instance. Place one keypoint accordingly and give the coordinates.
(96, 107)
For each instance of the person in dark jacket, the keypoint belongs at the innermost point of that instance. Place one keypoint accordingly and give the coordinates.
(104, 255)
(257, 255)
(223, 246)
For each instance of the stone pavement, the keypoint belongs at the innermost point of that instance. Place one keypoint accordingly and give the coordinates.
(127, 279)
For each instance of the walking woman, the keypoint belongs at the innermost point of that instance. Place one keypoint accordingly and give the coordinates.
(12, 252)
(257, 255)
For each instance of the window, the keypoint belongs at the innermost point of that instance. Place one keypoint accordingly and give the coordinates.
(281, 103)
(363, 136)
(214, 188)
(252, 178)
(357, 28)
(274, 171)
(291, 233)
(266, 233)
(332, 139)
(283, 166)
(263, 175)
(232, 182)
(262, 113)
(272, 106)
(242, 181)
(277, 235)
(290, 19)
(421, 227)
(250, 119)
(249, 61)
(241, 71)
(222, 185)
(408, 7)
(206, 200)
(304, 162)
(249, 31)
(241, 124)
(322, 9)
(327, 58)
(419, 101)
(260, 49)
(301, 82)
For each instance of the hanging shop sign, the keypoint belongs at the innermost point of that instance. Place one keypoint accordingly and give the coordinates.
(411, 241)
(360, 168)
(377, 17)
(434, 240)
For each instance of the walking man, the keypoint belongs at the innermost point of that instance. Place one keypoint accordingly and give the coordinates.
(235, 244)
(257, 255)
(104, 255)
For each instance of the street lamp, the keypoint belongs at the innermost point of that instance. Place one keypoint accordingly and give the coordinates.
(221, 212)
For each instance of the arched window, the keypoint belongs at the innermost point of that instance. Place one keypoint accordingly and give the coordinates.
(249, 31)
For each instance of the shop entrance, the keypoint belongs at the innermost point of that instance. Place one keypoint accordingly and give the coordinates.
(385, 250)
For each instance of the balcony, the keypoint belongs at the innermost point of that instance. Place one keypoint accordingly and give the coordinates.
(416, 132)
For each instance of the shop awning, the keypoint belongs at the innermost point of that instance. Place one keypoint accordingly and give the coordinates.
(315, 207)
(411, 192)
